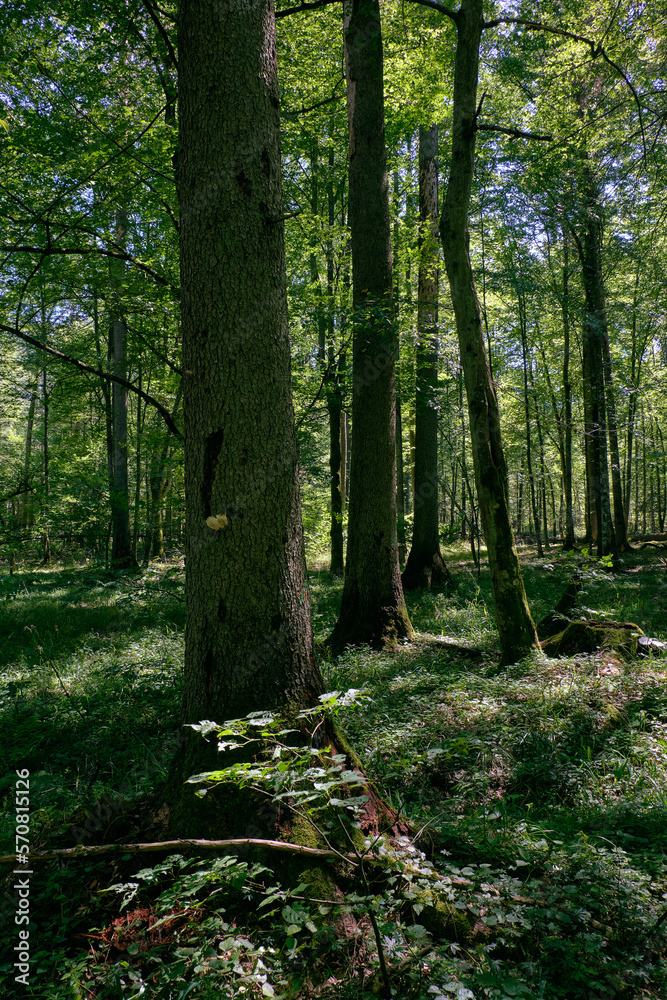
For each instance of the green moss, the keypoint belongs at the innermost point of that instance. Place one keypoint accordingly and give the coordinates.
(317, 877)
(444, 921)
(588, 636)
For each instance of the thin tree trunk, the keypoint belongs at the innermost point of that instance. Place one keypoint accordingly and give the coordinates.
(425, 566)
(121, 548)
(515, 625)
(343, 461)
(543, 474)
(373, 607)
(526, 405)
(26, 512)
(106, 392)
(400, 486)
(46, 541)
(620, 522)
(659, 479)
(137, 481)
(334, 396)
(569, 540)
(594, 332)
(159, 485)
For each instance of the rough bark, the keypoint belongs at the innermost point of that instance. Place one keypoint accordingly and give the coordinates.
(425, 566)
(249, 642)
(373, 608)
(515, 625)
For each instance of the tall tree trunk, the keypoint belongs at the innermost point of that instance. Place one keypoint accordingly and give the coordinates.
(588, 382)
(335, 371)
(121, 547)
(157, 489)
(106, 391)
(141, 417)
(425, 566)
(526, 405)
(400, 486)
(46, 513)
(515, 625)
(248, 637)
(26, 512)
(343, 461)
(594, 332)
(543, 474)
(373, 607)
(569, 540)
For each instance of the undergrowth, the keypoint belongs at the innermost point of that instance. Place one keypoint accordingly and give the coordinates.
(539, 794)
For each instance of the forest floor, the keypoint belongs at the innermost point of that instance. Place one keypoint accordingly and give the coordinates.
(540, 790)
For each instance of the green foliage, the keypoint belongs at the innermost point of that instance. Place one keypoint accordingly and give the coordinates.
(539, 792)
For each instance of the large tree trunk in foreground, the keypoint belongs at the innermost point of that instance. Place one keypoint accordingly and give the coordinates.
(373, 608)
(515, 625)
(425, 566)
(248, 641)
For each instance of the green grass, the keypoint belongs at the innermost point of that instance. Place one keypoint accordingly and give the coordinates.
(541, 789)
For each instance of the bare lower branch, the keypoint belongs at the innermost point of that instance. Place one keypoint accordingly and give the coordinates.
(163, 33)
(107, 376)
(596, 50)
(441, 9)
(84, 851)
(515, 133)
(304, 6)
(50, 249)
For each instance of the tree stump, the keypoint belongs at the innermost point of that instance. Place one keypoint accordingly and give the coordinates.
(621, 638)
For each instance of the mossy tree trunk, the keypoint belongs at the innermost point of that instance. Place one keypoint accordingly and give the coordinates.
(425, 566)
(248, 643)
(373, 608)
(513, 619)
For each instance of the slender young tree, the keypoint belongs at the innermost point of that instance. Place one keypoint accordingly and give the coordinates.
(513, 619)
(249, 643)
(373, 607)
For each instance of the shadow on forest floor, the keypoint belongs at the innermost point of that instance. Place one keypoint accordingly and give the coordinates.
(541, 789)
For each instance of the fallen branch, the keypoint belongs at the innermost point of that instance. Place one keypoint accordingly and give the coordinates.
(84, 851)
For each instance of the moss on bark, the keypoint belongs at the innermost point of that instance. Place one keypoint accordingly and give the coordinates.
(589, 636)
